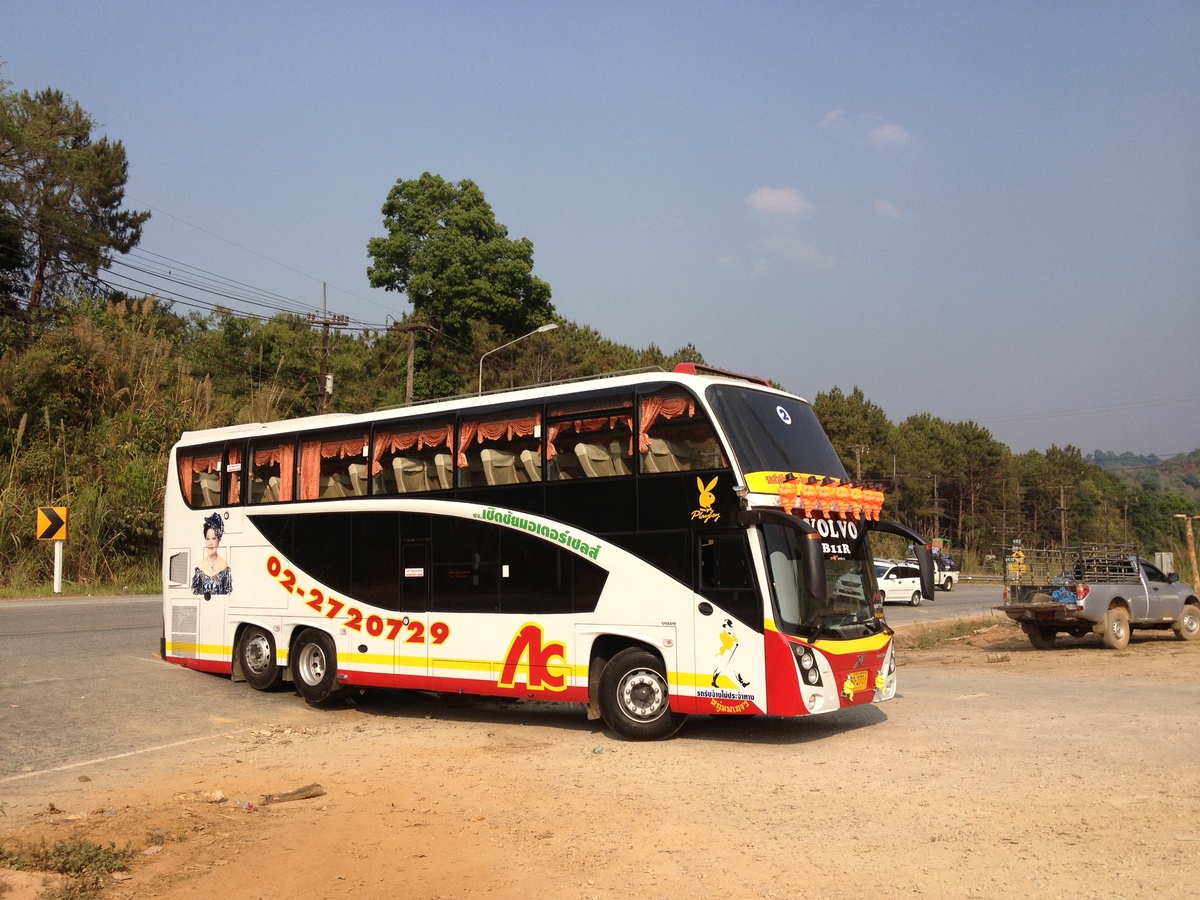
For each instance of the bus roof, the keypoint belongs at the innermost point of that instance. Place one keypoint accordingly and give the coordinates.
(692, 375)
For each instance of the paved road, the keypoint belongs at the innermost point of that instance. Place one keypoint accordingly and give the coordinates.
(964, 601)
(81, 680)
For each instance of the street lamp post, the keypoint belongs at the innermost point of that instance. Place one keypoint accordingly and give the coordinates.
(549, 326)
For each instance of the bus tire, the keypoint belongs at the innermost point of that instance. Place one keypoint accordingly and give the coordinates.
(313, 661)
(256, 658)
(1116, 629)
(635, 697)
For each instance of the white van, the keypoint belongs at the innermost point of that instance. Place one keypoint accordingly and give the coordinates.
(899, 582)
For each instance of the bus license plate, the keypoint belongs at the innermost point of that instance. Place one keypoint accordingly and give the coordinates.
(859, 680)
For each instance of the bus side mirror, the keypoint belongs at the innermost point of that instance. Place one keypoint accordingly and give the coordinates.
(814, 567)
(921, 550)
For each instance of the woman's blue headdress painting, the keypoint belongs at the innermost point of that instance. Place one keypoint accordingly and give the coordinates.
(216, 524)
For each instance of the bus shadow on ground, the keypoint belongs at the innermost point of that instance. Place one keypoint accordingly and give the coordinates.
(518, 713)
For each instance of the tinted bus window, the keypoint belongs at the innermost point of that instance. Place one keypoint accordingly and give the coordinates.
(333, 465)
(272, 470)
(590, 439)
(726, 577)
(499, 450)
(412, 457)
(773, 433)
(200, 476)
(676, 436)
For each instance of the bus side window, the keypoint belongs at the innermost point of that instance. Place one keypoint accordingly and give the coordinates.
(273, 465)
(676, 436)
(489, 452)
(405, 457)
(200, 477)
(726, 577)
(591, 440)
(333, 466)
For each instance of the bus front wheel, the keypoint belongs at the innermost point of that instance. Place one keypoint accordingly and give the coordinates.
(256, 656)
(635, 698)
(314, 666)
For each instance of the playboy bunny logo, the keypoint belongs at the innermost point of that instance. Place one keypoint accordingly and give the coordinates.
(707, 498)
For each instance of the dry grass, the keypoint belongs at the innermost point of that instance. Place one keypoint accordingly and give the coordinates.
(939, 634)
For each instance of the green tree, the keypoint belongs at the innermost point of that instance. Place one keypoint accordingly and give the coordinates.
(858, 429)
(456, 263)
(61, 192)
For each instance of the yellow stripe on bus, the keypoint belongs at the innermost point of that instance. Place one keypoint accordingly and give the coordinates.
(203, 650)
(859, 645)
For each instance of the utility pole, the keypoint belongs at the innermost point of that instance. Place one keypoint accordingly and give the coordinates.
(325, 380)
(1191, 541)
(937, 509)
(859, 450)
(1062, 511)
(412, 328)
(1125, 528)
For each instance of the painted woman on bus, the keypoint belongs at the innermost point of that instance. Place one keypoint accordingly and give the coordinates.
(212, 575)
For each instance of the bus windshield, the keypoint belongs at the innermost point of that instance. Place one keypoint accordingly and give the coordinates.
(773, 433)
(847, 614)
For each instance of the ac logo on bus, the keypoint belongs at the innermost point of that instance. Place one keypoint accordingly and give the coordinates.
(538, 659)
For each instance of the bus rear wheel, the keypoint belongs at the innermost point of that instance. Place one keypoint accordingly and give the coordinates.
(635, 698)
(256, 657)
(314, 666)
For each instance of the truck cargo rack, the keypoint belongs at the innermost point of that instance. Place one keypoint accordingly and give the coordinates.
(1087, 563)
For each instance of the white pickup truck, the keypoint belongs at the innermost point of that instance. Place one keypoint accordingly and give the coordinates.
(945, 571)
(1097, 591)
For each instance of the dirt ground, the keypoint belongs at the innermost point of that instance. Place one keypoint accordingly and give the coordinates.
(998, 771)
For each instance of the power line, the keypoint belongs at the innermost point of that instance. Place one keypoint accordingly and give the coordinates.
(1088, 410)
(262, 256)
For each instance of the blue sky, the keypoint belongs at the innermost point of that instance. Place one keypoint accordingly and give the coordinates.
(984, 211)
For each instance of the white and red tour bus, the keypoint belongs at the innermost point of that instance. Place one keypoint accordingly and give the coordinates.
(649, 545)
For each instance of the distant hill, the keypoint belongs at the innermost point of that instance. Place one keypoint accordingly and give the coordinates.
(1177, 474)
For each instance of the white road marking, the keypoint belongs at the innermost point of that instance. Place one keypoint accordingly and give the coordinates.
(104, 759)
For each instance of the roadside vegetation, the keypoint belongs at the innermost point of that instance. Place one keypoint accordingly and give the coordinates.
(84, 867)
(97, 384)
(934, 635)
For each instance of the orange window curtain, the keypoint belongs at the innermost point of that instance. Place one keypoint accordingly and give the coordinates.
(311, 454)
(668, 408)
(285, 456)
(310, 470)
(188, 467)
(581, 426)
(235, 476)
(386, 442)
(493, 431)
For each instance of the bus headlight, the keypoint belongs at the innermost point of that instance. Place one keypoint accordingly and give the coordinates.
(807, 660)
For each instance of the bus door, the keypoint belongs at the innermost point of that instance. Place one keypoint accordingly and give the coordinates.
(729, 623)
(412, 643)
